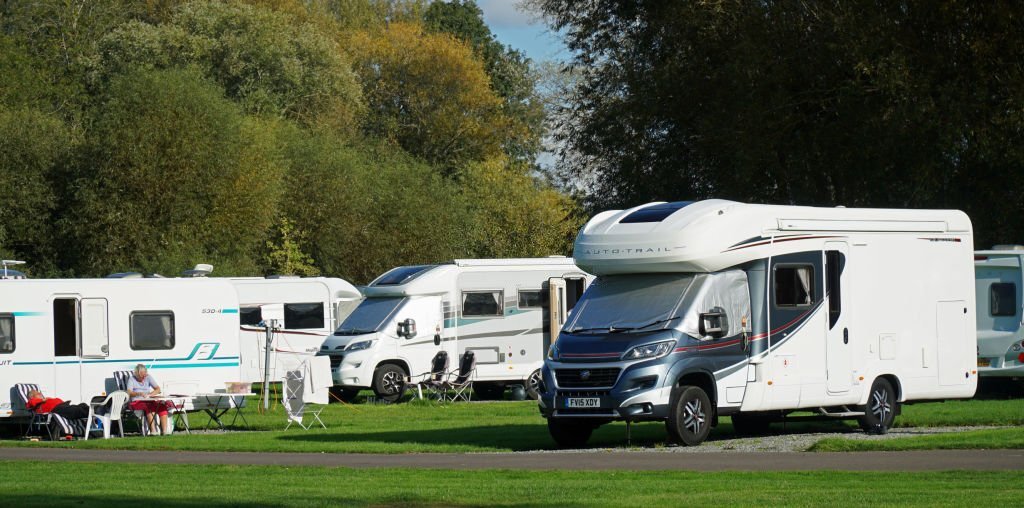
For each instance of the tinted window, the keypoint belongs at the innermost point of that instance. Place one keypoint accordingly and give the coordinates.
(482, 303)
(250, 316)
(833, 271)
(656, 213)
(6, 333)
(152, 330)
(529, 298)
(794, 286)
(298, 316)
(1003, 299)
(400, 275)
(369, 316)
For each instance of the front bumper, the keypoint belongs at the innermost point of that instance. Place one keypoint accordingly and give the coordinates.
(352, 370)
(637, 392)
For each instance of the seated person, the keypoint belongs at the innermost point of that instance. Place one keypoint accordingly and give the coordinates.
(142, 385)
(38, 403)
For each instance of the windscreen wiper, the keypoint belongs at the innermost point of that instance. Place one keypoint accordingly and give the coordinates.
(630, 329)
(353, 331)
(578, 330)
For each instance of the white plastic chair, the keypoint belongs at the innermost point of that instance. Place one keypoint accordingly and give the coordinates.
(117, 401)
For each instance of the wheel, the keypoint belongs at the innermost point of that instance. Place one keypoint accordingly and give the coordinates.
(881, 409)
(345, 394)
(489, 391)
(535, 385)
(388, 381)
(570, 432)
(690, 415)
(750, 424)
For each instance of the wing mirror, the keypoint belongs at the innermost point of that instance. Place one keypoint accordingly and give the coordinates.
(407, 328)
(713, 323)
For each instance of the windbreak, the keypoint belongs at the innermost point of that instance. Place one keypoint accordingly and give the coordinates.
(370, 315)
(629, 302)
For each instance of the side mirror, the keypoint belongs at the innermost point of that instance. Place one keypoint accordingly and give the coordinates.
(713, 323)
(407, 328)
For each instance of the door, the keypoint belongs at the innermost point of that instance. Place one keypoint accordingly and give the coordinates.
(95, 329)
(556, 311)
(839, 338)
(953, 344)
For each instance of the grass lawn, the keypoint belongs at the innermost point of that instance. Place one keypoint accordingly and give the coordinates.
(26, 483)
(988, 439)
(488, 426)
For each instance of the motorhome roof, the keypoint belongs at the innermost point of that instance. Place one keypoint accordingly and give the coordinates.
(710, 235)
(433, 279)
(550, 260)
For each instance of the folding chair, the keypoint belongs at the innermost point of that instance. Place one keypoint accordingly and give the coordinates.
(37, 420)
(433, 380)
(121, 378)
(298, 396)
(462, 385)
(54, 424)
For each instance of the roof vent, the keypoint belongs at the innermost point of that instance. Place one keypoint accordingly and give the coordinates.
(8, 273)
(201, 270)
(125, 275)
(1008, 247)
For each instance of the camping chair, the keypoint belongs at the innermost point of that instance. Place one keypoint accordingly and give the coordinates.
(54, 424)
(114, 405)
(298, 395)
(433, 380)
(462, 385)
(37, 420)
(121, 378)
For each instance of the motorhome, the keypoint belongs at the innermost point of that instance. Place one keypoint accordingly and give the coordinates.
(497, 308)
(998, 282)
(713, 308)
(307, 309)
(69, 336)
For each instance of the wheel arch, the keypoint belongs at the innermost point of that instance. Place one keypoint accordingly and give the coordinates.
(702, 379)
(394, 361)
(894, 382)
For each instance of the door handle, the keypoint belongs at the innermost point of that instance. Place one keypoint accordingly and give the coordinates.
(846, 335)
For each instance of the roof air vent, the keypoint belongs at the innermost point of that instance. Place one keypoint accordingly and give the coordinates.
(201, 270)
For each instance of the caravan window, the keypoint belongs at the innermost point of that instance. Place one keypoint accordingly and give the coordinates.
(794, 285)
(303, 316)
(833, 279)
(250, 316)
(1003, 299)
(6, 333)
(529, 298)
(483, 303)
(152, 329)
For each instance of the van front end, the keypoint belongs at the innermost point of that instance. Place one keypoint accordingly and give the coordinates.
(352, 359)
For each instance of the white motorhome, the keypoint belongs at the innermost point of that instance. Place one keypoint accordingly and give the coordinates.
(998, 283)
(496, 308)
(308, 309)
(69, 336)
(711, 308)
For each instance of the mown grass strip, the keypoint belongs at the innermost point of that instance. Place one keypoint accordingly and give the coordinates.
(88, 484)
(988, 439)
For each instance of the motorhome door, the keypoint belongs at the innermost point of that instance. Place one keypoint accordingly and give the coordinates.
(563, 293)
(839, 337)
(94, 328)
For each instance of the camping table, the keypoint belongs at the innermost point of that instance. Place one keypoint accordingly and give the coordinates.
(211, 403)
(177, 407)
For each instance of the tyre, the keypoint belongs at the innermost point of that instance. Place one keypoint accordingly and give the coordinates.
(535, 385)
(345, 394)
(388, 381)
(489, 391)
(881, 408)
(690, 416)
(570, 432)
(750, 424)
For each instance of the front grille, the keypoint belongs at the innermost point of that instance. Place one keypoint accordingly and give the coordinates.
(335, 359)
(586, 378)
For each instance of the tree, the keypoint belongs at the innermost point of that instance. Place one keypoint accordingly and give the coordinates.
(867, 103)
(173, 173)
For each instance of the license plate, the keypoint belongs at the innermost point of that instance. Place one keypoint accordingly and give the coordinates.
(983, 362)
(583, 402)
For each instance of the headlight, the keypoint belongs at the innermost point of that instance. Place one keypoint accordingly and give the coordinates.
(359, 346)
(656, 350)
(553, 353)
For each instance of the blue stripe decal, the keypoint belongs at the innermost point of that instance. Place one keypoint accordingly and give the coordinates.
(28, 314)
(193, 365)
(229, 311)
(149, 361)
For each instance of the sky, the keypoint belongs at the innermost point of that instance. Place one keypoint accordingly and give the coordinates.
(522, 30)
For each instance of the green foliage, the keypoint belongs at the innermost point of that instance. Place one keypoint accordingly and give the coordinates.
(284, 252)
(173, 174)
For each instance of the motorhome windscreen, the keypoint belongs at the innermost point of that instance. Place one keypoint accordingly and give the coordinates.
(635, 302)
(401, 275)
(370, 315)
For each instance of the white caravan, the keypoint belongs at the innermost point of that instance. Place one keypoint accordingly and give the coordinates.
(998, 284)
(496, 308)
(308, 309)
(70, 335)
(711, 308)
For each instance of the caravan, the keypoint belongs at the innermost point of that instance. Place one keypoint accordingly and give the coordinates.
(69, 336)
(713, 308)
(998, 283)
(500, 309)
(308, 309)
